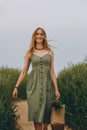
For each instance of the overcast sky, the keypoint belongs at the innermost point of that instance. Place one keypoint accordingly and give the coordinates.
(65, 22)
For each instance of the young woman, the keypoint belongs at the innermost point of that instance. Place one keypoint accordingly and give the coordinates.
(41, 82)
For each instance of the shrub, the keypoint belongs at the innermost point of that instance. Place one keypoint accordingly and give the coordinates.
(72, 82)
(8, 118)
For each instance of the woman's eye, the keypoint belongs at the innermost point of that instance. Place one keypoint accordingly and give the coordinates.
(39, 34)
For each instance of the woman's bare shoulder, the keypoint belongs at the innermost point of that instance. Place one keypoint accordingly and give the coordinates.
(28, 54)
(51, 52)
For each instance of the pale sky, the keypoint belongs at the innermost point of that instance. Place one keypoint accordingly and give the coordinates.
(65, 22)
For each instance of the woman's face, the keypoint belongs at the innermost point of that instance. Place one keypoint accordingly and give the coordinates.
(39, 37)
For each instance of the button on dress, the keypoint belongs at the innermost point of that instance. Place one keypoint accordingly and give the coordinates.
(40, 90)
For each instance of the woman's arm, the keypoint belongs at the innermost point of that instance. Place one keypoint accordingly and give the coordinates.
(21, 77)
(53, 75)
(23, 72)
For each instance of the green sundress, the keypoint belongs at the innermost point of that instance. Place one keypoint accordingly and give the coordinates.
(40, 90)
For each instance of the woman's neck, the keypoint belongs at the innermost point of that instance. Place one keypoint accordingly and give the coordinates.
(39, 46)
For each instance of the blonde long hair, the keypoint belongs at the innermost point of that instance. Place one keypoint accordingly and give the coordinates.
(32, 44)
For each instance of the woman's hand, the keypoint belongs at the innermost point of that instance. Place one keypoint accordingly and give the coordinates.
(57, 94)
(15, 93)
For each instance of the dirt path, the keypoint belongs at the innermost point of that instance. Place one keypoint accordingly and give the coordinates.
(23, 121)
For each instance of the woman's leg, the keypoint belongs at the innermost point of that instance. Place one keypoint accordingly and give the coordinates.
(45, 126)
(38, 126)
